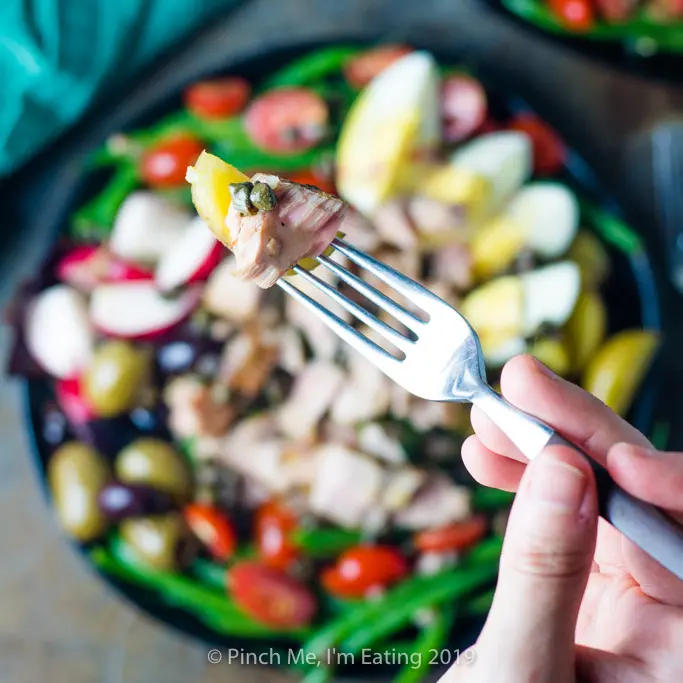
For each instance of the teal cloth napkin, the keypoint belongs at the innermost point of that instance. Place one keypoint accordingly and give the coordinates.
(57, 55)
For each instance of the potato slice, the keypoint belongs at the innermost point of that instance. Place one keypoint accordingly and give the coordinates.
(496, 308)
(210, 178)
(586, 328)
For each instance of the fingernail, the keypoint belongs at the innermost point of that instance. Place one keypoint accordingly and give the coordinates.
(544, 369)
(558, 484)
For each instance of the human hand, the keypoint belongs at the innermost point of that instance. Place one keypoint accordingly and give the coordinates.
(567, 609)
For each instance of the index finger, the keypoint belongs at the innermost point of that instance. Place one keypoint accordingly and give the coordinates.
(581, 418)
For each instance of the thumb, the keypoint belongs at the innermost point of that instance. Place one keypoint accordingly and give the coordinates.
(547, 557)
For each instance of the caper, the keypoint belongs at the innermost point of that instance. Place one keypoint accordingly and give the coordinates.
(241, 193)
(77, 473)
(114, 378)
(263, 197)
(157, 464)
(159, 541)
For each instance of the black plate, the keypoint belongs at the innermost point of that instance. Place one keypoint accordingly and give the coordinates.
(665, 66)
(632, 281)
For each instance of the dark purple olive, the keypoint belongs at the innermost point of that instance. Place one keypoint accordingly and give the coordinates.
(107, 435)
(54, 425)
(176, 357)
(120, 501)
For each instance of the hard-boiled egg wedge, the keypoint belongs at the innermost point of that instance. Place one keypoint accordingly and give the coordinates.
(394, 118)
(503, 159)
(210, 178)
(518, 305)
(542, 217)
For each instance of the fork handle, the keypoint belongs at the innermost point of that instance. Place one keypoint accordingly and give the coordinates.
(646, 525)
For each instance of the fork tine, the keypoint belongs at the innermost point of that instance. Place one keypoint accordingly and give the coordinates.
(410, 289)
(395, 337)
(374, 353)
(412, 322)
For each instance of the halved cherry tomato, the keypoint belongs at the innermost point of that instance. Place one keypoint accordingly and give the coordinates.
(165, 164)
(617, 10)
(274, 523)
(362, 69)
(217, 98)
(213, 528)
(73, 402)
(287, 120)
(271, 596)
(456, 536)
(576, 15)
(549, 150)
(310, 178)
(360, 569)
(463, 107)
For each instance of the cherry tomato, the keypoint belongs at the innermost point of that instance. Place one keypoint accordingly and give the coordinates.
(455, 536)
(287, 120)
(73, 402)
(549, 150)
(616, 10)
(310, 178)
(274, 522)
(166, 164)
(271, 596)
(362, 69)
(213, 528)
(218, 98)
(363, 568)
(576, 15)
(463, 107)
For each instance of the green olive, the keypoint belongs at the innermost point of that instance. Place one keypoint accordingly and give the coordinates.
(158, 541)
(156, 463)
(77, 473)
(263, 197)
(114, 378)
(240, 193)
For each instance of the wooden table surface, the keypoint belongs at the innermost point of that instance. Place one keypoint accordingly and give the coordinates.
(60, 623)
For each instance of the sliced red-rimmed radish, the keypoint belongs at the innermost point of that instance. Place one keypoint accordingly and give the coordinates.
(463, 107)
(549, 215)
(72, 401)
(190, 259)
(136, 310)
(549, 295)
(145, 226)
(59, 335)
(85, 267)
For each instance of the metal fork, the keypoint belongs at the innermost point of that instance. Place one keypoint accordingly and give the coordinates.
(442, 360)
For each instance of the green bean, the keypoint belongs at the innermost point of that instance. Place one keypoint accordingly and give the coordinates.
(179, 590)
(433, 637)
(312, 67)
(450, 586)
(485, 552)
(611, 228)
(210, 573)
(96, 218)
(481, 604)
(373, 621)
(319, 674)
(323, 543)
(485, 498)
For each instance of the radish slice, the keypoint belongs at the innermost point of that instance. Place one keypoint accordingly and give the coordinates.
(58, 332)
(72, 401)
(503, 158)
(189, 259)
(136, 310)
(463, 107)
(549, 295)
(85, 267)
(549, 215)
(145, 226)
